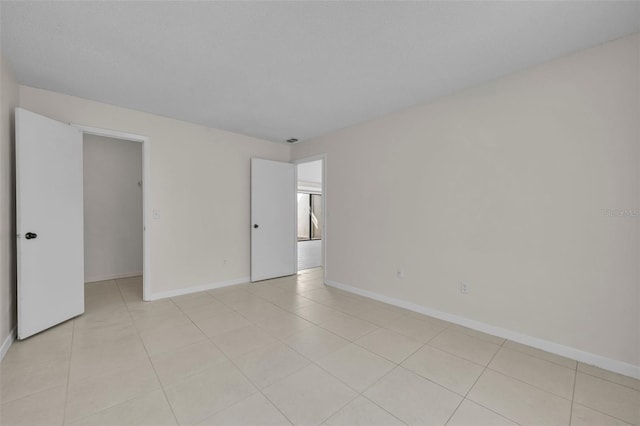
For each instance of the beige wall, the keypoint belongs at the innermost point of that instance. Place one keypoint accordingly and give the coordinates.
(505, 186)
(8, 101)
(199, 184)
(112, 208)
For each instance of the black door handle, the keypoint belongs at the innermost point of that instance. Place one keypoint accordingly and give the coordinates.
(30, 235)
(255, 225)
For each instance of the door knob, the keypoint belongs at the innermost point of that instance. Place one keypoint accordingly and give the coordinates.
(30, 235)
(255, 225)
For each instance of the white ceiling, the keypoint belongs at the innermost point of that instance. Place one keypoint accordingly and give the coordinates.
(277, 70)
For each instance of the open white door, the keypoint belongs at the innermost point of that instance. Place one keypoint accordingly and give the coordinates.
(49, 216)
(273, 209)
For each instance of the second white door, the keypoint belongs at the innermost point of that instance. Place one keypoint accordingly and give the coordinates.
(273, 209)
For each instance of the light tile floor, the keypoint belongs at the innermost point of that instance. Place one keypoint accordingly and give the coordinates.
(291, 350)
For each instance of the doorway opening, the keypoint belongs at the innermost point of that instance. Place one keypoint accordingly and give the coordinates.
(115, 190)
(310, 213)
(112, 208)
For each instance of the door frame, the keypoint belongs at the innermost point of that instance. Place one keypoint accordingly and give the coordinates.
(323, 250)
(146, 196)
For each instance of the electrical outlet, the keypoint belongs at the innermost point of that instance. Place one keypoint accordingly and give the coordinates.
(399, 273)
(464, 288)
(156, 214)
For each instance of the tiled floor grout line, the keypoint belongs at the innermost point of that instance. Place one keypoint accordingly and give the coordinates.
(527, 383)
(126, 400)
(357, 393)
(318, 324)
(297, 352)
(223, 354)
(541, 358)
(486, 367)
(164, 393)
(606, 414)
(454, 411)
(258, 390)
(389, 372)
(382, 408)
(573, 392)
(313, 362)
(324, 421)
(396, 366)
(464, 398)
(343, 337)
(66, 396)
(571, 401)
(305, 319)
(607, 380)
(459, 357)
(355, 342)
(362, 394)
(426, 378)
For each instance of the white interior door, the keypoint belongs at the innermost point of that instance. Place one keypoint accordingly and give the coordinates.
(273, 209)
(49, 215)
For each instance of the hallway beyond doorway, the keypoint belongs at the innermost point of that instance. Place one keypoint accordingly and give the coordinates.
(309, 254)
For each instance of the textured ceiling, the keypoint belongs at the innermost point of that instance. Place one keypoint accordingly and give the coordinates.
(277, 70)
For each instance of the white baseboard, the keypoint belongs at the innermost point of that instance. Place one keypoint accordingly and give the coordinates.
(7, 343)
(113, 277)
(204, 287)
(545, 345)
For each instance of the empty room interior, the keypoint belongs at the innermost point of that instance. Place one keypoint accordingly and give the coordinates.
(320, 213)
